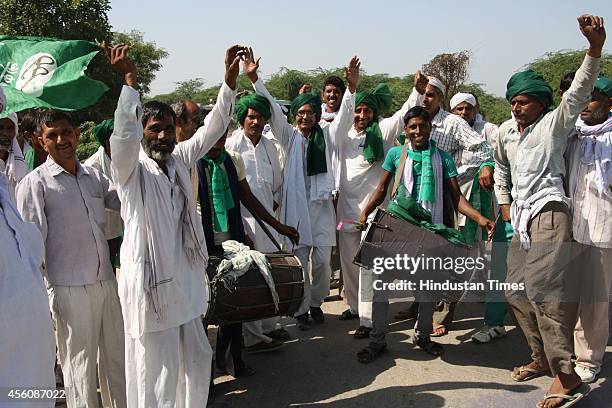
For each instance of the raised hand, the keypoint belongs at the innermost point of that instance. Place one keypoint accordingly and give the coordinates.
(117, 57)
(592, 27)
(351, 73)
(305, 88)
(250, 65)
(420, 82)
(233, 55)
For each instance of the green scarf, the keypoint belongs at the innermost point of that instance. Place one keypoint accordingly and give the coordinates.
(30, 159)
(255, 102)
(103, 131)
(529, 83)
(379, 100)
(408, 209)
(221, 194)
(481, 200)
(428, 181)
(316, 161)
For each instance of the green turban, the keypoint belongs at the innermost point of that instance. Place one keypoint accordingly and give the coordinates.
(379, 100)
(255, 102)
(529, 83)
(316, 161)
(103, 131)
(604, 85)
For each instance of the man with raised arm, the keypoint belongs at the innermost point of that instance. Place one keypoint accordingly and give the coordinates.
(163, 286)
(306, 202)
(529, 171)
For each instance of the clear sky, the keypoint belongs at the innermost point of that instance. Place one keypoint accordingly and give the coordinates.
(390, 36)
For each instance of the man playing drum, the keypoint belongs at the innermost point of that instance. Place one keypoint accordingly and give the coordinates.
(425, 171)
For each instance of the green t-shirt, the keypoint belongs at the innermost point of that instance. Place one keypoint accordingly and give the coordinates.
(392, 161)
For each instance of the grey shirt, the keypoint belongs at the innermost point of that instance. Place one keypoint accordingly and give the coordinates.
(70, 213)
(531, 164)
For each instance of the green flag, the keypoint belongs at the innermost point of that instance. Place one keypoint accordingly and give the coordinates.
(46, 72)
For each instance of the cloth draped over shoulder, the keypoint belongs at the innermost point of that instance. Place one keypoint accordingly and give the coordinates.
(316, 162)
(221, 194)
(529, 83)
(255, 102)
(379, 100)
(596, 146)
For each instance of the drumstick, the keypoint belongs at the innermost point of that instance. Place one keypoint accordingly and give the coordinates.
(495, 222)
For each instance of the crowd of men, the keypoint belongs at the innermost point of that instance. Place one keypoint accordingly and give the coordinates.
(170, 187)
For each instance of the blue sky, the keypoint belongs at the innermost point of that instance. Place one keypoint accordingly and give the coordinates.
(396, 37)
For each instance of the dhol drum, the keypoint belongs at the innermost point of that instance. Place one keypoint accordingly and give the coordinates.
(418, 255)
(251, 299)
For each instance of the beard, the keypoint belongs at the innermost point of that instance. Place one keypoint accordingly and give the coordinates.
(155, 151)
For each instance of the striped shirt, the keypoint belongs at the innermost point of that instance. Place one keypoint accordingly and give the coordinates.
(592, 220)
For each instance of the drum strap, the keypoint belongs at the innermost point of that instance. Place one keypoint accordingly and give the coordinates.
(400, 170)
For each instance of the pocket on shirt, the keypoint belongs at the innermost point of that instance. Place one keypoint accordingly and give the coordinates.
(99, 211)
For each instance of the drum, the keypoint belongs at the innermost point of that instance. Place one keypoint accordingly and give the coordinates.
(389, 237)
(251, 299)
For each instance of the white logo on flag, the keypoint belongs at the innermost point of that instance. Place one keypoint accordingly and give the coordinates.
(35, 73)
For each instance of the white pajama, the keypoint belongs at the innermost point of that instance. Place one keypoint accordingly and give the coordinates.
(169, 368)
(88, 321)
(255, 332)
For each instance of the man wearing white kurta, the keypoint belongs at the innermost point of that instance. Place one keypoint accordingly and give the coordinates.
(264, 176)
(27, 345)
(11, 158)
(306, 195)
(163, 286)
(359, 177)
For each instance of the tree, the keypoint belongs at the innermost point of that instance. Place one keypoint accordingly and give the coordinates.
(451, 70)
(187, 89)
(88, 144)
(146, 55)
(554, 65)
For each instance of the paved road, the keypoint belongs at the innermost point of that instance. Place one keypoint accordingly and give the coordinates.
(319, 368)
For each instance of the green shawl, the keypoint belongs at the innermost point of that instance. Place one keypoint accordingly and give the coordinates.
(221, 194)
(379, 100)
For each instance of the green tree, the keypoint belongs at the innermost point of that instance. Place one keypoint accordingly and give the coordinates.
(146, 55)
(187, 89)
(87, 143)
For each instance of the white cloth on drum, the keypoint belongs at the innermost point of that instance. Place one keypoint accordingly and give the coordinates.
(175, 364)
(240, 259)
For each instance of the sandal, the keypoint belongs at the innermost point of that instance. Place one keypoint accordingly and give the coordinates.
(577, 394)
(439, 330)
(348, 315)
(517, 373)
(362, 332)
(430, 347)
(369, 354)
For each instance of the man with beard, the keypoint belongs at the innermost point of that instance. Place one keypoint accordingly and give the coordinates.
(589, 174)
(308, 181)
(67, 202)
(529, 171)
(12, 163)
(163, 287)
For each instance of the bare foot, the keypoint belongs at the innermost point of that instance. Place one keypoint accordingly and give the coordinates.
(526, 372)
(562, 384)
(439, 330)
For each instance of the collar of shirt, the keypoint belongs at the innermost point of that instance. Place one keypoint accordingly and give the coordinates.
(528, 129)
(56, 169)
(439, 118)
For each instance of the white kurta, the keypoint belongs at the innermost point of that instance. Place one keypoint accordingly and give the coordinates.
(264, 176)
(100, 161)
(27, 344)
(316, 216)
(188, 294)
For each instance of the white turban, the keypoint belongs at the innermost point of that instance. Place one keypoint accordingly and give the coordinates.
(433, 81)
(462, 97)
(2, 100)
